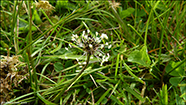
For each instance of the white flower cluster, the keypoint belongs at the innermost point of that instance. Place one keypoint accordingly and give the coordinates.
(92, 44)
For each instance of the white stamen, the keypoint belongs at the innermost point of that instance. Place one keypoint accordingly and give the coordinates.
(70, 45)
(97, 39)
(90, 46)
(83, 33)
(66, 48)
(104, 36)
(108, 56)
(88, 31)
(79, 63)
(102, 45)
(104, 58)
(100, 54)
(101, 63)
(81, 44)
(86, 37)
(78, 41)
(97, 33)
(84, 63)
(73, 39)
(109, 46)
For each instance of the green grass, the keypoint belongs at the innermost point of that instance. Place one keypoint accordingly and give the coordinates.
(147, 56)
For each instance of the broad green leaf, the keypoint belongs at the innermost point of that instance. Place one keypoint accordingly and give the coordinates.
(87, 86)
(87, 89)
(175, 80)
(68, 63)
(179, 71)
(141, 13)
(179, 100)
(54, 19)
(36, 17)
(140, 56)
(126, 12)
(58, 66)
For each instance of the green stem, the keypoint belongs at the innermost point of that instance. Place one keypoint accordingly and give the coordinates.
(66, 86)
(29, 51)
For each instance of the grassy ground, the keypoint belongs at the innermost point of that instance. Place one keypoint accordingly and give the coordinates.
(93, 52)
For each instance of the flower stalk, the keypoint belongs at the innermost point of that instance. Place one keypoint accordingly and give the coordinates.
(91, 45)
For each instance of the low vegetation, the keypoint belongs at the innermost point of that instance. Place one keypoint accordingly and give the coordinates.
(102, 52)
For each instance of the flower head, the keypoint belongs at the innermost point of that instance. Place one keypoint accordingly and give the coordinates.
(92, 44)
